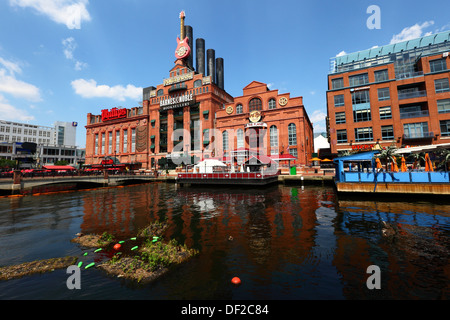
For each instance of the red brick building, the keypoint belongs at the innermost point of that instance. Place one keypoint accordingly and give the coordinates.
(191, 114)
(397, 94)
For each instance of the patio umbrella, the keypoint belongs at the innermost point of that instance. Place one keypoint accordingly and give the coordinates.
(315, 159)
(379, 166)
(403, 167)
(428, 164)
(394, 165)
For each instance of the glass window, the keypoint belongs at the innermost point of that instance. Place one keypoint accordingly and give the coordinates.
(125, 141)
(239, 109)
(385, 113)
(381, 75)
(443, 106)
(273, 140)
(337, 83)
(225, 140)
(272, 104)
(160, 92)
(363, 134)
(441, 85)
(362, 115)
(445, 128)
(103, 143)
(96, 144)
(341, 136)
(359, 79)
(255, 104)
(116, 148)
(383, 94)
(438, 65)
(387, 132)
(340, 117)
(292, 132)
(133, 140)
(361, 96)
(293, 152)
(110, 142)
(416, 130)
(240, 138)
(339, 100)
(197, 83)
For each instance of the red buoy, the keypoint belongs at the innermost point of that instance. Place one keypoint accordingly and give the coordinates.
(236, 281)
(117, 246)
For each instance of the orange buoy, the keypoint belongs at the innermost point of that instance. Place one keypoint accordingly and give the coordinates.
(117, 246)
(236, 280)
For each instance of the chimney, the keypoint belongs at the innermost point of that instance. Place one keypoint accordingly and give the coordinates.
(211, 66)
(219, 73)
(200, 56)
(190, 34)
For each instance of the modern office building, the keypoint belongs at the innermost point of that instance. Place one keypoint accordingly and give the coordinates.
(51, 144)
(397, 94)
(191, 114)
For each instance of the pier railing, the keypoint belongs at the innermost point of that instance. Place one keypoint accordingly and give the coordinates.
(392, 177)
(225, 175)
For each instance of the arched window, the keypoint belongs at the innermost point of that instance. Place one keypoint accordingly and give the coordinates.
(197, 83)
(273, 140)
(239, 109)
(160, 92)
(225, 141)
(292, 132)
(240, 138)
(272, 104)
(254, 104)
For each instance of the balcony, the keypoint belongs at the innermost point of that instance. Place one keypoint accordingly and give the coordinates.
(411, 94)
(418, 135)
(407, 75)
(414, 114)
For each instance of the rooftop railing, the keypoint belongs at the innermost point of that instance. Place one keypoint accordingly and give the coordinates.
(411, 94)
(414, 114)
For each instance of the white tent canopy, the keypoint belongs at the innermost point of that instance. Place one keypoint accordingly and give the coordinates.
(422, 148)
(207, 165)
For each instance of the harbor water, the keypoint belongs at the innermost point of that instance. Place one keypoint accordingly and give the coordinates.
(284, 243)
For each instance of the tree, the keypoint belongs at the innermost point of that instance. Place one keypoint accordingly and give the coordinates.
(61, 163)
(417, 157)
(444, 156)
(7, 164)
(387, 155)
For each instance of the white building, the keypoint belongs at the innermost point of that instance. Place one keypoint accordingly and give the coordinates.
(320, 142)
(52, 143)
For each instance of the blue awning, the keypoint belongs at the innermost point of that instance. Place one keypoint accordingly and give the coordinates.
(363, 156)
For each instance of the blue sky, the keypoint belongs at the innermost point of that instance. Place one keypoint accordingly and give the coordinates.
(61, 59)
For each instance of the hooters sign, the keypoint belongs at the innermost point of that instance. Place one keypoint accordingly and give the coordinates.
(114, 113)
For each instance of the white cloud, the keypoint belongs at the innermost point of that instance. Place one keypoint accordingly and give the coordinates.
(340, 54)
(80, 65)
(9, 84)
(318, 120)
(68, 12)
(69, 46)
(8, 112)
(90, 89)
(412, 32)
(317, 116)
(12, 67)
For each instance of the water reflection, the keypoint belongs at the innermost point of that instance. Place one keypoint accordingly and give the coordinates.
(284, 242)
(409, 241)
